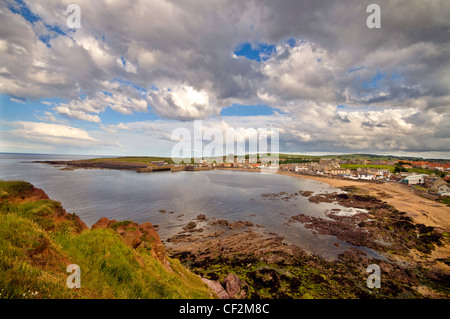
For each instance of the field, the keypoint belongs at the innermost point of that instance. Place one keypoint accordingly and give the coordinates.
(356, 166)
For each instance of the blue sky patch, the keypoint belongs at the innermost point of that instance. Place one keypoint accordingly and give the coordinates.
(373, 83)
(248, 110)
(21, 8)
(258, 52)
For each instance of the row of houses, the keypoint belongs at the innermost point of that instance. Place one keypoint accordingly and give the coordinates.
(442, 167)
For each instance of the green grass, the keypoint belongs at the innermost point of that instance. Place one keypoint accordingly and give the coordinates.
(356, 166)
(423, 171)
(445, 200)
(12, 188)
(20, 276)
(35, 251)
(118, 271)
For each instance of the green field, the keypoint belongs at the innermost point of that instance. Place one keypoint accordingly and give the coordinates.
(356, 166)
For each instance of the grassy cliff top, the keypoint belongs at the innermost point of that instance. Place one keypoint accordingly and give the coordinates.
(38, 240)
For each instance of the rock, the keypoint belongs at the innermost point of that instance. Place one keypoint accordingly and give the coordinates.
(216, 288)
(201, 217)
(232, 285)
(191, 225)
(240, 224)
(103, 223)
(219, 222)
(135, 234)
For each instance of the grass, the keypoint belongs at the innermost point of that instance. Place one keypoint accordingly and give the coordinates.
(356, 166)
(423, 171)
(35, 251)
(12, 188)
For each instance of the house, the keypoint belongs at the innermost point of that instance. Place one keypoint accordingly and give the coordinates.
(366, 175)
(444, 190)
(340, 171)
(300, 168)
(329, 162)
(414, 179)
(437, 183)
(358, 161)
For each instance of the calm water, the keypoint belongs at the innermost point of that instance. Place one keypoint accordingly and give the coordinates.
(231, 195)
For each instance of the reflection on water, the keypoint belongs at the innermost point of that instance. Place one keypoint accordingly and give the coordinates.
(231, 195)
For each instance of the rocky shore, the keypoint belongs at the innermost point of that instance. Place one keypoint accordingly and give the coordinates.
(267, 267)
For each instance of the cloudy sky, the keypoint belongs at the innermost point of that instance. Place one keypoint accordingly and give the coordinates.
(136, 70)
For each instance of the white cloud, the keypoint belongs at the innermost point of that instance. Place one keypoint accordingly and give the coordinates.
(54, 135)
(75, 114)
(182, 102)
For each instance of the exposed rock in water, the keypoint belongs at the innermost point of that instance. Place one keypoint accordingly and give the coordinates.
(219, 222)
(306, 193)
(189, 226)
(201, 217)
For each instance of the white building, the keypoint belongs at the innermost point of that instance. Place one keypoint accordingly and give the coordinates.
(414, 179)
(444, 190)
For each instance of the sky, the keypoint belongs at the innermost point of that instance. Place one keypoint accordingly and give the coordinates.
(137, 70)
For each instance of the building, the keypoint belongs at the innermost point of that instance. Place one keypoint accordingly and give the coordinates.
(159, 163)
(437, 183)
(366, 175)
(340, 171)
(414, 179)
(444, 190)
